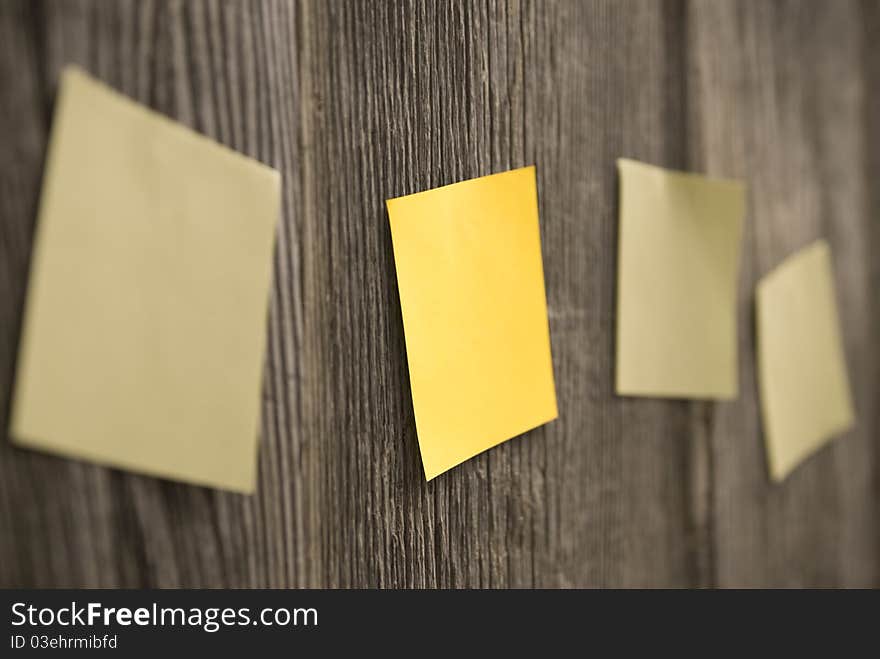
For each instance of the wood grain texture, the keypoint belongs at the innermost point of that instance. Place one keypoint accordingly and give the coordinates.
(780, 100)
(356, 102)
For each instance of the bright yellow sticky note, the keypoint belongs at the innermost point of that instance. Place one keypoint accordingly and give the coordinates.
(143, 337)
(805, 395)
(471, 284)
(678, 257)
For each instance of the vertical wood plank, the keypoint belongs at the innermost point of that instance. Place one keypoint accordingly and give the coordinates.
(778, 99)
(359, 101)
(229, 70)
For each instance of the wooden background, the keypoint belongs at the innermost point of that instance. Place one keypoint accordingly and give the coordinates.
(356, 102)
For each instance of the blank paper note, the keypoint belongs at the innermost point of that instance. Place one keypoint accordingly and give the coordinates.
(678, 257)
(805, 395)
(142, 344)
(471, 283)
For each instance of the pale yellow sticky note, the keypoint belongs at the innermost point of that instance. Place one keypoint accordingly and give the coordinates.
(805, 395)
(678, 260)
(143, 337)
(471, 283)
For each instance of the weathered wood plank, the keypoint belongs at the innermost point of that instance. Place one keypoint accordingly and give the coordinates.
(229, 70)
(359, 101)
(778, 98)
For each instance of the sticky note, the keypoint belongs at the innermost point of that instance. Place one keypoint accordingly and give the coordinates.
(678, 261)
(471, 283)
(805, 395)
(145, 319)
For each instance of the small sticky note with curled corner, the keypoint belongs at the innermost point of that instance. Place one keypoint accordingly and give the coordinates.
(802, 376)
(471, 284)
(678, 261)
(143, 338)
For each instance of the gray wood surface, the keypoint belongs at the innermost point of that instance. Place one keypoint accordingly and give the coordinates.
(356, 102)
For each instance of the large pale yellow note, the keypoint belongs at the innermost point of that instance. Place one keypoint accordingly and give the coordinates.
(805, 395)
(678, 259)
(471, 284)
(142, 346)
